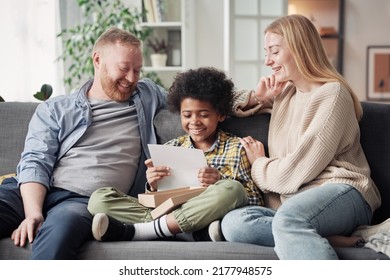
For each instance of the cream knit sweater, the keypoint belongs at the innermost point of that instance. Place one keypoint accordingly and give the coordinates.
(314, 139)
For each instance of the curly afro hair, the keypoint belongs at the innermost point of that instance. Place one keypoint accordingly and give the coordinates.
(206, 84)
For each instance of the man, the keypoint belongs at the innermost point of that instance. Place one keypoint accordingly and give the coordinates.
(78, 143)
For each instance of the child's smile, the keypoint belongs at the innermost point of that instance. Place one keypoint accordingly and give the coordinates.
(200, 120)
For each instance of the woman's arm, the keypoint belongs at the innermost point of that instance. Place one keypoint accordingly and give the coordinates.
(249, 102)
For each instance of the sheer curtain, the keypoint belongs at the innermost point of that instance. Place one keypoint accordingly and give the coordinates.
(29, 49)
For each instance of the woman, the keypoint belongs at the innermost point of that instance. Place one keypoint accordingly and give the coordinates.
(316, 179)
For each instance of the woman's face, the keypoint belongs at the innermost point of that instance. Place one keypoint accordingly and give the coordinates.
(279, 58)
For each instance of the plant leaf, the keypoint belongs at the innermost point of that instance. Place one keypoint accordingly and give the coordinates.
(40, 96)
(47, 89)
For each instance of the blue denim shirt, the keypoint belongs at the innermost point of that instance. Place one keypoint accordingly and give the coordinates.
(59, 122)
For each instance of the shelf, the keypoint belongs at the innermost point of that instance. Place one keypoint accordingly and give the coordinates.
(328, 16)
(162, 24)
(171, 28)
(163, 69)
(336, 36)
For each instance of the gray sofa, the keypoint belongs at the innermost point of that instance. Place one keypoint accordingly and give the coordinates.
(375, 138)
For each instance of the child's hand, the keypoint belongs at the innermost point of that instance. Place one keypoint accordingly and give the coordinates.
(155, 173)
(208, 176)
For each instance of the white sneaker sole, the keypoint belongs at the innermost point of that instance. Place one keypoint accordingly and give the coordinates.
(99, 225)
(215, 232)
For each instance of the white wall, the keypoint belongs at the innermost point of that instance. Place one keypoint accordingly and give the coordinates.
(366, 23)
(28, 50)
(209, 36)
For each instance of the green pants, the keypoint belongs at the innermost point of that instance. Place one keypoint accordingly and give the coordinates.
(195, 214)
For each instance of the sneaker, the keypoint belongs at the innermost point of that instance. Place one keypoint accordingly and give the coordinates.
(215, 231)
(366, 231)
(211, 233)
(106, 228)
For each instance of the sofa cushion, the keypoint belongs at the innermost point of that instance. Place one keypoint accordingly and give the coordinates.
(167, 125)
(375, 140)
(15, 117)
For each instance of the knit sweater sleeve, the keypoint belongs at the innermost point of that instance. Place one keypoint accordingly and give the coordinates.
(241, 99)
(328, 118)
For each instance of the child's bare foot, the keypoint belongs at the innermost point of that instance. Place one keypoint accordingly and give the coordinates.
(345, 241)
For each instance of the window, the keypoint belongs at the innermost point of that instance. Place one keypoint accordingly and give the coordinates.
(245, 59)
(29, 49)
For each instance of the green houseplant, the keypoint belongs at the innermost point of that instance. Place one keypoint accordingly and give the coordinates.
(78, 41)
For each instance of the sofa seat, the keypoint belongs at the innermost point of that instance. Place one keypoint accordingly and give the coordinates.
(177, 250)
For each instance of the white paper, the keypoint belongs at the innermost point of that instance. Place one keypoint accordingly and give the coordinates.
(184, 164)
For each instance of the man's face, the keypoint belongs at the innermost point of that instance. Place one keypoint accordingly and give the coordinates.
(120, 70)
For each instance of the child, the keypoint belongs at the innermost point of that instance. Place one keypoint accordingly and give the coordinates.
(204, 99)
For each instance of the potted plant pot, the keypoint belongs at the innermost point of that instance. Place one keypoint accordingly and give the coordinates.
(158, 59)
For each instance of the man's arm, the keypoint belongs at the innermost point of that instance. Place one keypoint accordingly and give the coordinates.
(33, 195)
(41, 145)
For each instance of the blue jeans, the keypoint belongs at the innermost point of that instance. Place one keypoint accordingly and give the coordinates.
(67, 224)
(298, 228)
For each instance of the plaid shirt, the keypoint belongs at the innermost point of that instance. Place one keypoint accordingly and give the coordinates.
(229, 157)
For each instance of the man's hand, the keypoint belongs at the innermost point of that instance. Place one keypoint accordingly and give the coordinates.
(27, 230)
(33, 195)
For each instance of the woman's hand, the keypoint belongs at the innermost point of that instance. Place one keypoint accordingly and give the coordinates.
(267, 88)
(208, 176)
(254, 149)
(155, 173)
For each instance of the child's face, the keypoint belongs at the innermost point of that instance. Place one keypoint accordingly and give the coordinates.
(200, 120)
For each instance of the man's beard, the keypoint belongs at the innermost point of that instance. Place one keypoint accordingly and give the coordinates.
(110, 87)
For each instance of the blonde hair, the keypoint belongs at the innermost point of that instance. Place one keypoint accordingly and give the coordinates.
(306, 46)
(116, 35)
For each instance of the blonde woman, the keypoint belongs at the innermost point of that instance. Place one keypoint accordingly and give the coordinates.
(316, 179)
